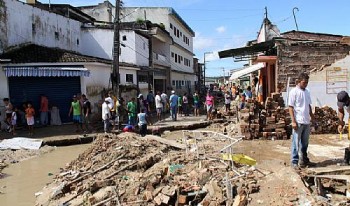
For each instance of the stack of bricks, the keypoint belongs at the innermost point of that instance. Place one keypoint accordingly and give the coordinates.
(269, 121)
(327, 120)
(249, 120)
(277, 119)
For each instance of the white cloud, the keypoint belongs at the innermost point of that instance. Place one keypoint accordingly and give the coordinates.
(220, 29)
(200, 42)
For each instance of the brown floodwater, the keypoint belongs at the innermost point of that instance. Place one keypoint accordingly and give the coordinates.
(26, 178)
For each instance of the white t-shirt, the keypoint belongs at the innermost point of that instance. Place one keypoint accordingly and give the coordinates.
(164, 97)
(106, 114)
(300, 100)
(227, 99)
(158, 102)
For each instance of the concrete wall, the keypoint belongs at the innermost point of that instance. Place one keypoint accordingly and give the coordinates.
(4, 90)
(101, 12)
(181, 66)
(99, 43)
(27, 24)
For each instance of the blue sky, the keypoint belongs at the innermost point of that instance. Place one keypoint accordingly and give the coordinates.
(226, 24)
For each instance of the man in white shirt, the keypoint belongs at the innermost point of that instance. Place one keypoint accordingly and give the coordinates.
(106, 115)
(164, 101)
(159, 106)
(299, 103)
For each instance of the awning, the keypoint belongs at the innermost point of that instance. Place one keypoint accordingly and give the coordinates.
(248, 50)
(246, 70)
(31, 71)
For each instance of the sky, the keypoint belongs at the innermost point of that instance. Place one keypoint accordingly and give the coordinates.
(228, 24)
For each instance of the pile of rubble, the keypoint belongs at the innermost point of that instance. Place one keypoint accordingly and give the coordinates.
(126, 169)
(269, 121)
(326, 119)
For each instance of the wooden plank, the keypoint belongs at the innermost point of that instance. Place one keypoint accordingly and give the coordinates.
(333, 177)
(324, 170)
(171, 143)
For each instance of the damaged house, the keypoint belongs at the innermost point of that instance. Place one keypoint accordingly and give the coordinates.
(280, 57)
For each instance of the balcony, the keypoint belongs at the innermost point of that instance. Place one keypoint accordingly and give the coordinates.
(160, 60)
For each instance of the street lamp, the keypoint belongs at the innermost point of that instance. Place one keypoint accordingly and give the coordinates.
(205, 67)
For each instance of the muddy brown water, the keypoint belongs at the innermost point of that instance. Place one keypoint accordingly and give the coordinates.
(30, 176)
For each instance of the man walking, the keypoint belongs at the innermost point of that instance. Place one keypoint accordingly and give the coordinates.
(173, 105)
(76, 109)
(299, 103)
(159, 106)
(132, 112)
(86, 113)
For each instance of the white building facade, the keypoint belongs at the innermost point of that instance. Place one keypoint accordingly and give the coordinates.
(181, 50)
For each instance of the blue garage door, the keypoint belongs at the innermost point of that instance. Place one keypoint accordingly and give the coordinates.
(59, 91)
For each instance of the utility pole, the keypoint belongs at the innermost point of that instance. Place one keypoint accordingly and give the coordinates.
(116, 50)
(223, 69)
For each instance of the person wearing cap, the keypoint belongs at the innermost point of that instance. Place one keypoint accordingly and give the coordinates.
(173, 105)
(343, 102)
(76, 109)
(299, 103)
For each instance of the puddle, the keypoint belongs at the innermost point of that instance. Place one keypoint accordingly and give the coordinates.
(26, 178)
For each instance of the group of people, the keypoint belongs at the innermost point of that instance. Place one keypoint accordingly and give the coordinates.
(11, 116)
(80, 109)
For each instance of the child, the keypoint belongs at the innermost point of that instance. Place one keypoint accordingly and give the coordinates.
(30, 118)
(142, 122)
(14, 121)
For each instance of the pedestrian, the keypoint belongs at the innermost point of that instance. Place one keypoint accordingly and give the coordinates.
(343, 104)
(179, 105)
(44, 110)
(299, 103)
(210, 104)
(106, 115)
(8, 112)
(150, 100)
(14, 121)
(242, 99)
(248, 93)
(159, 106)
(86, 113)
(196, 103)
(75, 108)
(227, 101)
(164, 97)
(173, 105)
(142, 119)
(132, 112)
(30, 112)
(185, 104)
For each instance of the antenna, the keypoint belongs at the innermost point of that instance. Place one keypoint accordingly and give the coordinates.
(295, 20)
(265, 12)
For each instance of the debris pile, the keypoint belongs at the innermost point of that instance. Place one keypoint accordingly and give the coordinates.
(129, 170)
(270, 121)
(326, 120)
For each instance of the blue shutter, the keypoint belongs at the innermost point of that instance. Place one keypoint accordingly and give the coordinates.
(59, 91)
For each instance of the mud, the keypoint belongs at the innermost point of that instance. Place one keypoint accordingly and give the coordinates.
(24, 179)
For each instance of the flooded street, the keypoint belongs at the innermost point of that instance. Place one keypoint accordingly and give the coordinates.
(26, 178)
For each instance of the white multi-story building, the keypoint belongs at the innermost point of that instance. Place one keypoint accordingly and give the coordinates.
(182, 74)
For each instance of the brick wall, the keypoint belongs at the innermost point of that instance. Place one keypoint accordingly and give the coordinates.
(295, 57)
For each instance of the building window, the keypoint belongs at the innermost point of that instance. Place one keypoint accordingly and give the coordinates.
(175, 57)
(181, 59)
(175, 30)
(180, 33)
(129, 78)
(57, 37)
(144, 46)
(143, 78)
(173, 82)
(183, 83)
(77, 41)
(172, 54)
(171, 25)
(177, 33)
(124, 37)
